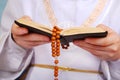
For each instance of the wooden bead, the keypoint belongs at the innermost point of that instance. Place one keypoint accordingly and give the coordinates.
(57, 36)
(53, 41)
(54, 30)
(58, 41)
(56, 74)
(58, 54)
(53, 48)
(57, 32)
(58, 51)
(53, 34)
(56, 61)
(53, 55)
(56, 68)
(58, 45)
(55, 44)
(53, 38)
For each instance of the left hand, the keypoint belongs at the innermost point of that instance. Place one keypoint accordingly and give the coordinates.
(107, 48)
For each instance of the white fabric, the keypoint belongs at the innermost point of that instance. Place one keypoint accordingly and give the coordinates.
(68, 12)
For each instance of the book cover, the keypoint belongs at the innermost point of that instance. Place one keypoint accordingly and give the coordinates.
(66, 35)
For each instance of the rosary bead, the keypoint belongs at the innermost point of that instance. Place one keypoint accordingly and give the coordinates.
(58, 41)
(57, 28)
(56, 68)
(58, 54)
(58, 51)
(57, 32)
(57, 36)
(53, 34)
(54, 30)
(58, 45)
(56, 61)
(53, 38)
(56, 74)
(53, 41)
(53, 55)
(53, 49)
(53, 45)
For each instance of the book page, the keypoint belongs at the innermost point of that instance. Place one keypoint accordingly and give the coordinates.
(81, 30)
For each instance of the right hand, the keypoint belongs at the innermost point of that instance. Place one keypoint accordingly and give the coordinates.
(26, 40)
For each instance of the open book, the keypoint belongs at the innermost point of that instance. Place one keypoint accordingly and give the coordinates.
(66, 35)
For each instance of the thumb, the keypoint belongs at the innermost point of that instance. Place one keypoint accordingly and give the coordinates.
(16, 30)
(106, 28)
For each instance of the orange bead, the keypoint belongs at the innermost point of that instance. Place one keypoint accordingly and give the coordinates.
(53, 38)
(58, 54)
(58, 48)
(53, 48)
(54, 52)
(53, 41)
(54, 30)
(53, 34)
(53, 55)
(58, 44)
(57, 36)
(57, 51)
(58, 32)
(56, 74)
(56, 61)
(55, 71)
(56, 27)
(53, 45)
(58, 41)
(56, 68)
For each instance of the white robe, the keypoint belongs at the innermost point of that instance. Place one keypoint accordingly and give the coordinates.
(14, 59)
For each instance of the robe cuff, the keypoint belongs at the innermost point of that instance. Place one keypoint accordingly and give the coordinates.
(12, 56)
(115, 69)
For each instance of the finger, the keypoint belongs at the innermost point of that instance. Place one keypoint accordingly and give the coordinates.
(33, 44)
(91, 46)
(27, 18)
(34, 38)
(28, 45)
(101, 54)
(111, 48)
(16, 30)
(108, 40)
(106, 28)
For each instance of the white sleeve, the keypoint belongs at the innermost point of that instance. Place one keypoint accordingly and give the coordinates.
(13, 58)
(115, 70)
(111, 69)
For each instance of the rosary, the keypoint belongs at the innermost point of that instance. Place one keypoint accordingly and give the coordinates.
(55, 44)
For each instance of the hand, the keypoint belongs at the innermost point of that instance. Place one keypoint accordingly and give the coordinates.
(25, 40)
(107, 48)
